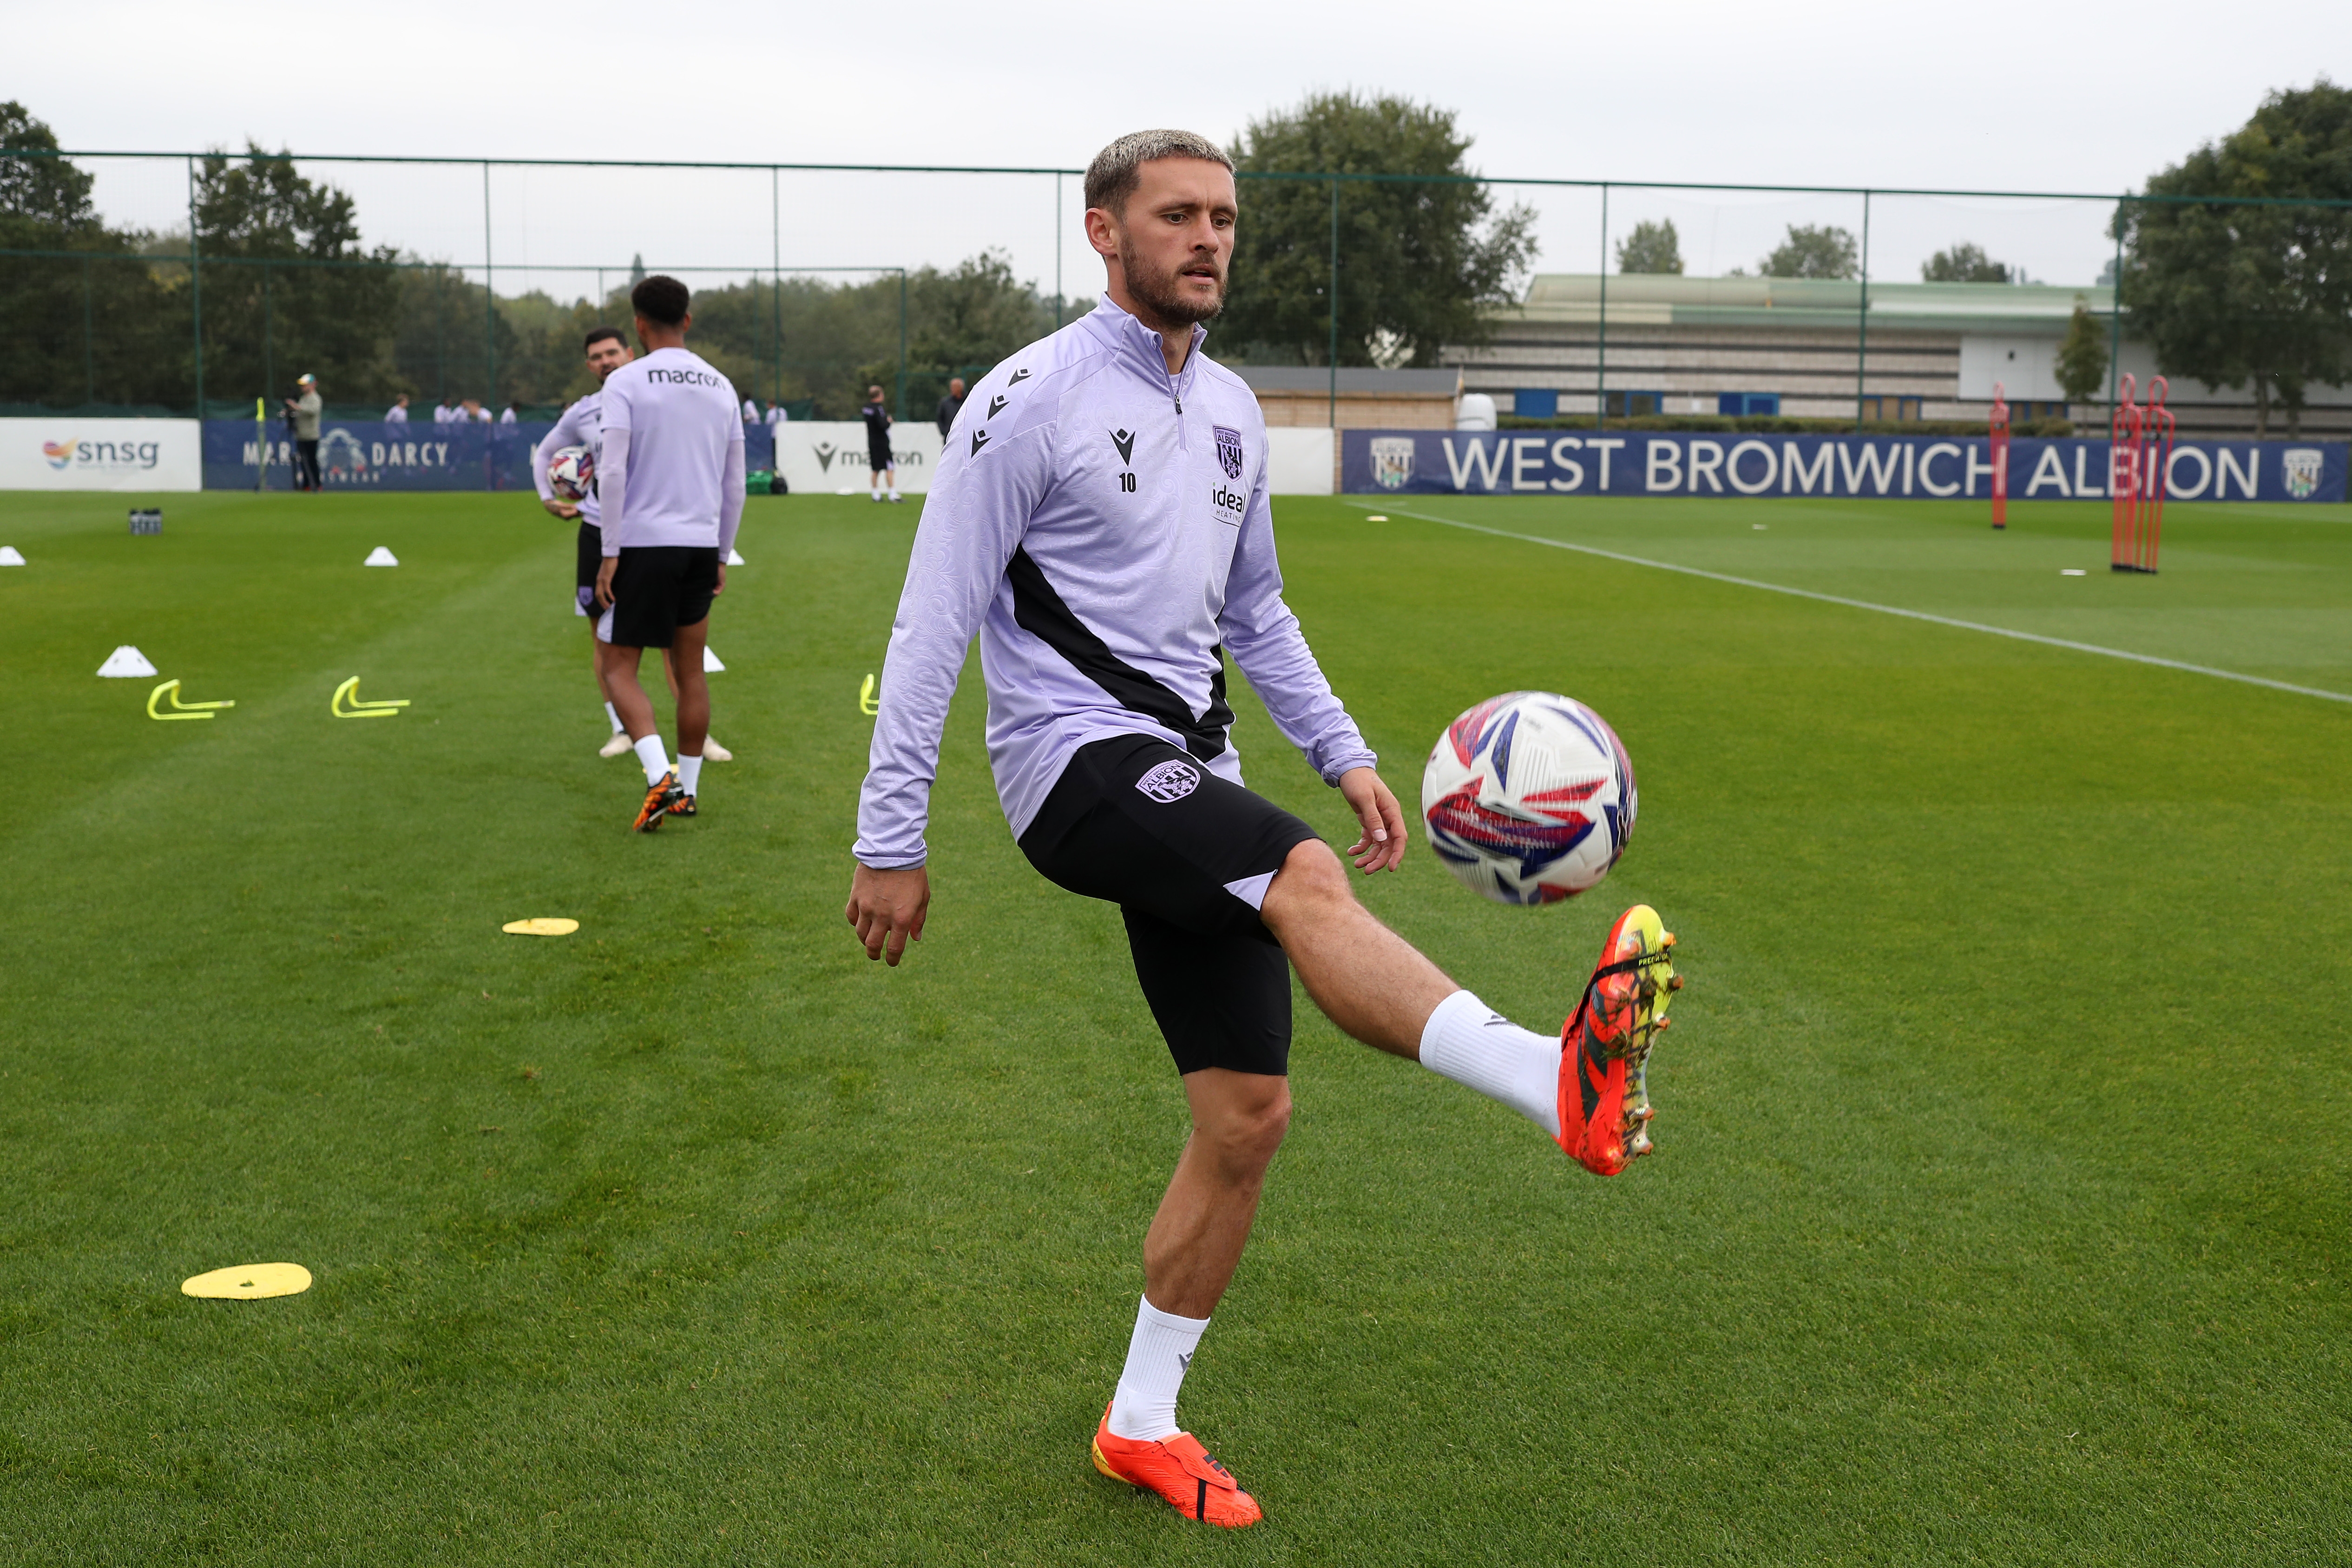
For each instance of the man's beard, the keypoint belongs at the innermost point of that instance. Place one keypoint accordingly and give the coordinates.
(1159, 293)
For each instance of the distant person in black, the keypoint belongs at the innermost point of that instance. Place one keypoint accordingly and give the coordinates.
(877, 414)
(302, 414)
(950, 406)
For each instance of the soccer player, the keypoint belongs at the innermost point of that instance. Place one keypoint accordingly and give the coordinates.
(670, 479)
(398, 413)
(1102, 525)
(877, 414)
(582, 424)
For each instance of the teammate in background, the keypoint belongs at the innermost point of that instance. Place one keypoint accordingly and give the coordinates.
(1104, 530)
(398, 413)
(776, 415)
(877, 414)
(507, 415)
(670, 479)
(443, 414)
(751, 412)
(582, 424)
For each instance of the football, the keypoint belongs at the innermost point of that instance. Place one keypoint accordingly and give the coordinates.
(1529, 797)
(571, 474)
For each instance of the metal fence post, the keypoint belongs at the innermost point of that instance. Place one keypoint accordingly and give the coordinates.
(1057, 250)
(2115, 311)
(902, 342)
(1862, 317)
(268, 336)
(775, 287)
(195, 289)
(1600, 317)
(1335, 309)
(490, 299)
(88, 359)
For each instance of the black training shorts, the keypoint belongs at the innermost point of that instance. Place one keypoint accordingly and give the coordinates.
(1137, 823)
(877, 455)
(590, 558)
(656, 589)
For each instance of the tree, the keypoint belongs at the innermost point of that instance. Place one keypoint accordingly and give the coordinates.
(2083, 355)
(2231, 295)
(288, 287)
(1813, 252)
(1964, 262)
(1421, 264)
(1651, 247)
(91, 323)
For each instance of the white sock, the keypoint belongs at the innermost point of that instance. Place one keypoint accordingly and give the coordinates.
(1145, 1405)
(618, 727)
(657, 761)
(894, 492)
(1468, 1042)
(689, 772)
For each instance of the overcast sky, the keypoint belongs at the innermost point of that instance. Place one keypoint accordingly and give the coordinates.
(2056, 97)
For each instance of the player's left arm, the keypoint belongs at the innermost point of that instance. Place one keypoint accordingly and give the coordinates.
(1264, 639)
(730, 504)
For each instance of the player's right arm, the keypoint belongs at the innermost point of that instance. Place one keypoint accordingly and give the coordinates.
(565, 434)
(978, 509)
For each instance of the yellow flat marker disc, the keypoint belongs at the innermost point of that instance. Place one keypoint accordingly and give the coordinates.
(249, 1282)
(541, 925)
(1378, 517)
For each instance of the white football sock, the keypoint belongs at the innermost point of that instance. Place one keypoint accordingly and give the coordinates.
(689, 772)
(894, 492)
(1145, 1405)
(657, 761)
(618, 727)
(1468, 1042)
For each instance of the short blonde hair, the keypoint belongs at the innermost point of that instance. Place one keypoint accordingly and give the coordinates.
(1117, 170)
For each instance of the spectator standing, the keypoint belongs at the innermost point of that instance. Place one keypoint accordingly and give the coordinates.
(950, 406)
(876, 415)
(398, 413)
(305, 412)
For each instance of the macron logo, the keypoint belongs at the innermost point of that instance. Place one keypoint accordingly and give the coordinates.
(978, 440)
(683, 377)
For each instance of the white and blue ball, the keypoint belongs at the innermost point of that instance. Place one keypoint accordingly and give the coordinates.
(1529, 797)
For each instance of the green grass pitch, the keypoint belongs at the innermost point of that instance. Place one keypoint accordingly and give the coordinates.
(2005, 1136)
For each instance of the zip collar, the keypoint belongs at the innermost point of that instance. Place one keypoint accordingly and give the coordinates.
(1141, 347)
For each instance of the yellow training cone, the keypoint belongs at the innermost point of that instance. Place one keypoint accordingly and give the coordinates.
(541, 925)
(184, 710)
(249, 1283)
(346, 704)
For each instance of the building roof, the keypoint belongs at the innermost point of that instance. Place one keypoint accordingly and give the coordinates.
(1358, 382)
(1662, 299)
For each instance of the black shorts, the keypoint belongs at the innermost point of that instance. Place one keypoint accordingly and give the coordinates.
(877, 455)
(656, 589)
(1187, 857)
(590, 558)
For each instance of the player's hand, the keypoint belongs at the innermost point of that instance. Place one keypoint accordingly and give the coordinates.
(1382, 843)
(604, 582)
(721, 588)
(567, 511)
(888, 907)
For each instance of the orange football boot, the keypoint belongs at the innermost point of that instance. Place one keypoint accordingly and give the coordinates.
(1180, 1471)
(1604, 1058)
(659, 798)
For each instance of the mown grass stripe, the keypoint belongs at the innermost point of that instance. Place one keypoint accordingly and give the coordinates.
(2010, 631)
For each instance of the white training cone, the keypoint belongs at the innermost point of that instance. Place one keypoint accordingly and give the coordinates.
(11, 555)
(711, 665)
(734, 557)
(124, 662)
(380, 557)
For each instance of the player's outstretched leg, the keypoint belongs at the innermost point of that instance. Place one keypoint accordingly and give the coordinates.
(693, 691)
(1375, 985)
